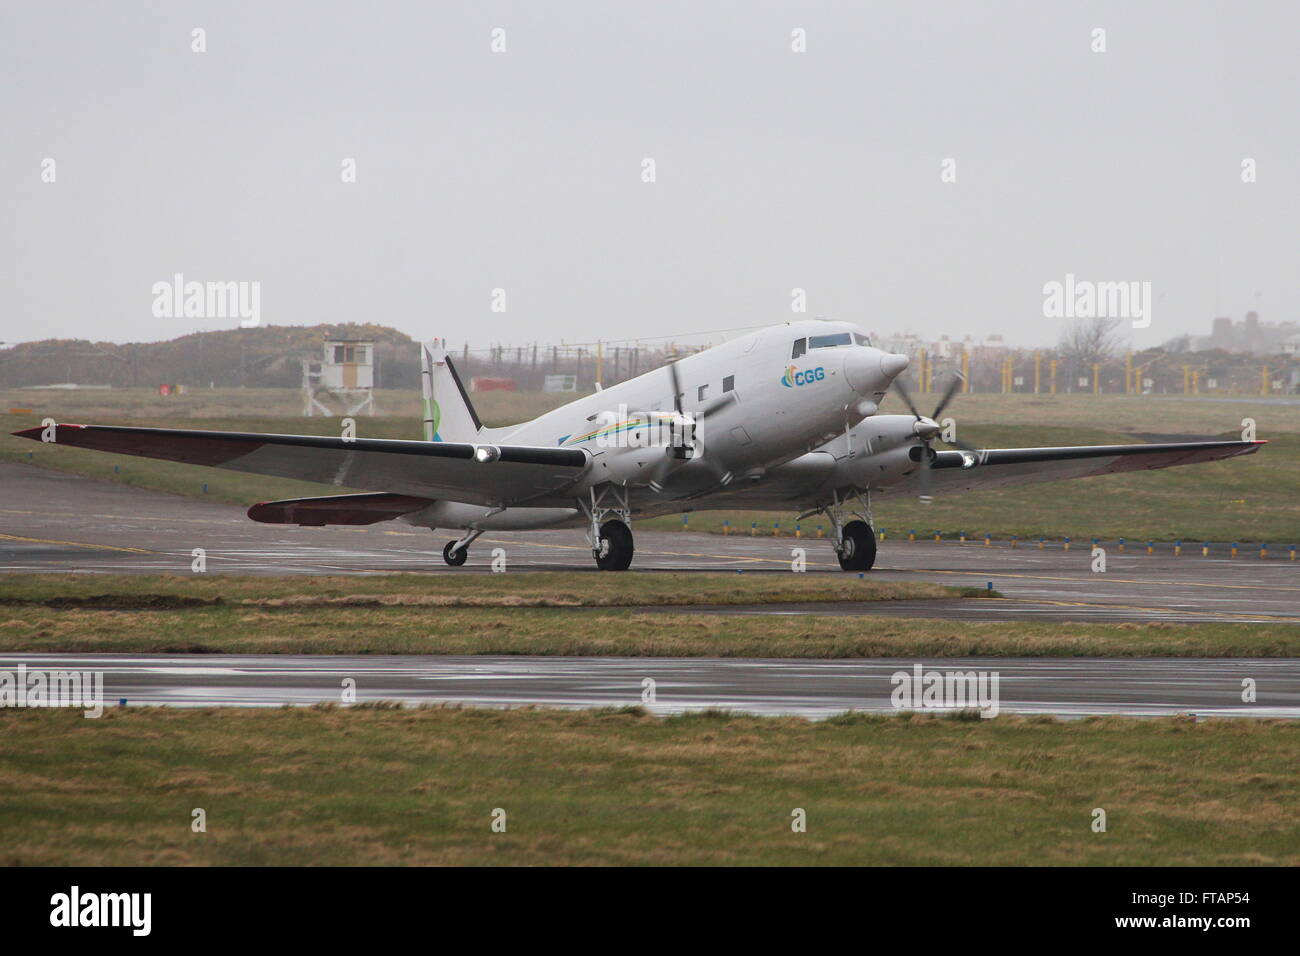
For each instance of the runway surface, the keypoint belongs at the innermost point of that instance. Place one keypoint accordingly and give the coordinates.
(54, 522)
(814, 689)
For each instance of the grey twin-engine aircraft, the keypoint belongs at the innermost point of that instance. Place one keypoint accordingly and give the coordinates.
(784, 419)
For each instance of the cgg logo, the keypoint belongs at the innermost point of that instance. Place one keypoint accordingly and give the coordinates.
(791, 378)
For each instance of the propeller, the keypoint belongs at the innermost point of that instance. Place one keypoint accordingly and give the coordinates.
(683, 451)
(715, 405)
(927, 428)
(684, 443)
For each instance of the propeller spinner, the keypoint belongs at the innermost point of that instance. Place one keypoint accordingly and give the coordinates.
(927, 428)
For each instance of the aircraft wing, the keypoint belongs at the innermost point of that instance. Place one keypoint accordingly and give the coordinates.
(516, 475)
(1004, 467)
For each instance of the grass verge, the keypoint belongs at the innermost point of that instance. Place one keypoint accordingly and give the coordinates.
(403, 786)
(395, 629)
(526, 589)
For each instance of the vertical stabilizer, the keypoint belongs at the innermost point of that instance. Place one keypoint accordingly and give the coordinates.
(448, 413)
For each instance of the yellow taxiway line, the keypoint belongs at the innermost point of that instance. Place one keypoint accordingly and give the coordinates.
(76, 544)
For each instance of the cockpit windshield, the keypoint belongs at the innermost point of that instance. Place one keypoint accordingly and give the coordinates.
(861, 339)
(829, 341)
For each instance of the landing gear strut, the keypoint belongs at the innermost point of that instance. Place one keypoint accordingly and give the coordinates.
(455, 552)
(611, 540)
(855, 542)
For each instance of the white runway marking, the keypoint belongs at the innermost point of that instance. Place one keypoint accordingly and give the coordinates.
(807, 688)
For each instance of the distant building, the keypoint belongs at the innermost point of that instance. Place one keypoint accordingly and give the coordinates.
(1250, 336)
(345, 373)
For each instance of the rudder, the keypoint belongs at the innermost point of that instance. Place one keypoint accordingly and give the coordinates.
(448, 413)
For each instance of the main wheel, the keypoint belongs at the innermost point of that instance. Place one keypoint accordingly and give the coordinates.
(615, 553)
(859, 551)
(454, 558)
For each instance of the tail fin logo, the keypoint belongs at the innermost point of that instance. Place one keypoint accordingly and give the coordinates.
(433, 415)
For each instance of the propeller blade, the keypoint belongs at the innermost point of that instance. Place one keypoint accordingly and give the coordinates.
(711, 464)
(677, 387)
(700, 460)
(925, 476)
(713, 406)
(947, 395)
(902, 390)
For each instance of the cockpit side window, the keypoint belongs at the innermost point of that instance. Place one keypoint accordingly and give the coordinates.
(861, 339)
(800, 347)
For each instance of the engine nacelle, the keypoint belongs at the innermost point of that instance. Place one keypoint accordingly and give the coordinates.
(882, 432)
(884, 449)
(882, 468)
(633, 466)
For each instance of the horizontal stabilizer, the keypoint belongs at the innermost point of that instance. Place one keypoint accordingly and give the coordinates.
(337, 509)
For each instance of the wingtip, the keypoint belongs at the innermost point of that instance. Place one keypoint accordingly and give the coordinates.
(36, 431)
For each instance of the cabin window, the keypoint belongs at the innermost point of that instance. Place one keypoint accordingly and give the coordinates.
(830, 341)
(800, 347)
(701, 393)
(729, 383)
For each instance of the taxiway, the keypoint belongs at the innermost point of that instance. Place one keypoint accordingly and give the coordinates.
(52, 522)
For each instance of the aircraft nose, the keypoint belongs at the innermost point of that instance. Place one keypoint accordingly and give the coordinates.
(867, 370)
(893, 365)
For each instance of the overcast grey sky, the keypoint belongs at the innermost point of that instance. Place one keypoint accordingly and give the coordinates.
(522, 170)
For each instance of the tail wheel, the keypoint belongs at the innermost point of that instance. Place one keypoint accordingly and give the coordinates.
(453, 555)
(859, 550)
(615, 547)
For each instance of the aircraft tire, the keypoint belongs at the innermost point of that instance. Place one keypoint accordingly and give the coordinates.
(454, 558)
(616, 543)
(859, 547)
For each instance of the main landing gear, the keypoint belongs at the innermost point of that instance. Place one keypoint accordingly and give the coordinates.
(611, 540)
(857, 551)
(614, 552)
(855, 542)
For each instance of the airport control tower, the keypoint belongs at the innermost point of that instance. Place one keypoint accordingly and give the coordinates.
(345, 374)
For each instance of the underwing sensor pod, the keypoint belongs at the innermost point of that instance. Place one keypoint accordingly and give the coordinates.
(786, 419)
